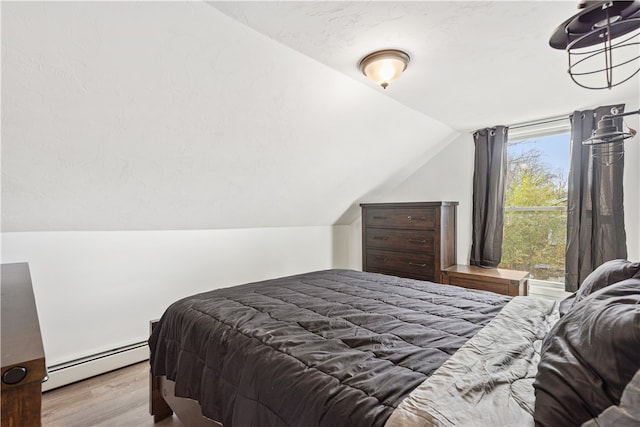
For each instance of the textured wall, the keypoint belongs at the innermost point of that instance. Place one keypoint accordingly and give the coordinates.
(96, 291)
(170, 115)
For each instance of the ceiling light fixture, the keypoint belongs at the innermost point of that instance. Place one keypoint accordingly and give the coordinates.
(587, 37)
(384, 66)
(607, 131)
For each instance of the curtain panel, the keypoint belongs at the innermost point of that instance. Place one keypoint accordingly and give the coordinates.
(489, 175)
(595, 209)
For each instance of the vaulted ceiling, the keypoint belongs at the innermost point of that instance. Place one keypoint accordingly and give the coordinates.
(474, 63)
(192, 115)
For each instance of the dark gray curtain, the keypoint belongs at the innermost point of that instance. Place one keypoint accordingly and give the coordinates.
(489, 175)
(595, 216)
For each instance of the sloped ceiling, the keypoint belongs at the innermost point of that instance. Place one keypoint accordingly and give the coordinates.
(474, 63)
(192, 115)
(139, 115)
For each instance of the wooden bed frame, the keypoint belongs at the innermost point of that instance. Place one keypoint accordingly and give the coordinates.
(163, 402)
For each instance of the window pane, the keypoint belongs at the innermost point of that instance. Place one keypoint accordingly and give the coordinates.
(535, 225)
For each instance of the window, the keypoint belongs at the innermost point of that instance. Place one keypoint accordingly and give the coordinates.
(535, 220)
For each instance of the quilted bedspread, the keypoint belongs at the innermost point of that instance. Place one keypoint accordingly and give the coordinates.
(328, 348)
(489, 381)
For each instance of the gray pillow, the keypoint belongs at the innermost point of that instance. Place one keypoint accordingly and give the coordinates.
(589, 357)
(607, 274)
(627, 414)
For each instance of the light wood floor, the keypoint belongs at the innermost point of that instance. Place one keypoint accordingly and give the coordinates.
(116, 399)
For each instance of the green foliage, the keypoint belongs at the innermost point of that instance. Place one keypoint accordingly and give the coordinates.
(535, 242)
(532, 189)
(534, 233)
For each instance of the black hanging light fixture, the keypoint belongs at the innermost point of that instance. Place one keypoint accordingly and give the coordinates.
(602, 42)
(607, 141)
(607, 131)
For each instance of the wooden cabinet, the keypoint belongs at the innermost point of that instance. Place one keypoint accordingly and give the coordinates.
(415, 240)
(498, 280)
(23, 363)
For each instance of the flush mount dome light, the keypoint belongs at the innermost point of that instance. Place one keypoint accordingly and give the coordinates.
(384, 66)
(595, 60)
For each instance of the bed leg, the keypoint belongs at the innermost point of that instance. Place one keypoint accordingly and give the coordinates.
(158, 407)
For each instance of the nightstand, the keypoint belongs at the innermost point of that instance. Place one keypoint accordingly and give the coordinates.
(498, 280)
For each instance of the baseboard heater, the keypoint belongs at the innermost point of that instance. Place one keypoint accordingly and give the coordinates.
(90, 366)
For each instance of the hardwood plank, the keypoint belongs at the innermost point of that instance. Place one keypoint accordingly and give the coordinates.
(115, 399)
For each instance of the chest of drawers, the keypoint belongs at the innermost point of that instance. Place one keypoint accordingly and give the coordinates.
(415, 240)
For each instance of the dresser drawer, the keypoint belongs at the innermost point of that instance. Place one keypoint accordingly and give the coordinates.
(401, 263)
(384, 238)
(406, 218)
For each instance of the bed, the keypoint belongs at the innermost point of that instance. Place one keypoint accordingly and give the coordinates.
(349, 348)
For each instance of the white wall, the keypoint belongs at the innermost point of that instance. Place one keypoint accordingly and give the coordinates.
(354, 260)
(171, 115)
(98, 290)
(446, 176)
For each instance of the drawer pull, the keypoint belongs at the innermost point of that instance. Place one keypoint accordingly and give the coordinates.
(379, 217)
(412, 218)
(380, 237)
(417, 265)
(14, 375)
(417, 241)
(381, 258)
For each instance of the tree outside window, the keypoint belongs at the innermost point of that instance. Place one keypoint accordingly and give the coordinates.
(535, 224)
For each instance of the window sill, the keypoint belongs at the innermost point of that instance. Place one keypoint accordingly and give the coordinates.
(547, 289)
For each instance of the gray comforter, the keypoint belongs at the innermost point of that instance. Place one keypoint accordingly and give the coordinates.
(329, 348)
(489, 381)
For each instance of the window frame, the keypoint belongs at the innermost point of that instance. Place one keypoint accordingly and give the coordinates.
(538, 129)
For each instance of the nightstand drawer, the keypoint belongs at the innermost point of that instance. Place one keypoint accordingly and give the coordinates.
(498, 280)
(384, 238)
(401, 263)
(474, 283)
(406, 218)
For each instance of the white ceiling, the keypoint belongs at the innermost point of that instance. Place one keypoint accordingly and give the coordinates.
(474, 63)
